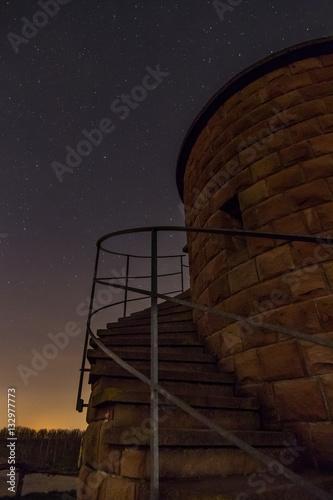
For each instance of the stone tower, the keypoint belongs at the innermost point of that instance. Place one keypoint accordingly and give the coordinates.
(260, 157)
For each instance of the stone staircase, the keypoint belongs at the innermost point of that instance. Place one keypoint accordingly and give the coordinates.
(195, 463)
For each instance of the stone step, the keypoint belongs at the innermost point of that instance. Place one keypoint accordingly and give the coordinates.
(166, 339)
(164, 308)
(112, 394)
(191, 462)
(188, 354)
(174, 315)
(171, 417)
(193, 350)
(176, 387)
(104, 366)
(265, 486)
(95, 355)
(168, 327)
(198, 437)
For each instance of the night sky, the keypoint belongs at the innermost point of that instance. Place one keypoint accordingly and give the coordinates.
(68, 75)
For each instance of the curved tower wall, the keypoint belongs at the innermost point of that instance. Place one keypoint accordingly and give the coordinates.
(263, 160)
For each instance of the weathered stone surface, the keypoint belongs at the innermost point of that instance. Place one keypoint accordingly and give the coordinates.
(318, 359)
(306, 283)
(301, 316)
(322, 438)
(247, 368)
(242, 276)
(285, 179)
(274, 262)
(309, 195)
(268, 412)
(280, 361)
(95, 454)
(325, 307)
(89, 483)
(116, 488)
(300, 400)
(134, 463)
(327, 381)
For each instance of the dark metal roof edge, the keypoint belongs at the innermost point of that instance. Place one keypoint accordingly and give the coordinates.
(275, 61)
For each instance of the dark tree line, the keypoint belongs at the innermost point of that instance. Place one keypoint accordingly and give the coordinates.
(53, 451)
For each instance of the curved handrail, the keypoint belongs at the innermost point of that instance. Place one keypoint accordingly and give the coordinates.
(153, 382)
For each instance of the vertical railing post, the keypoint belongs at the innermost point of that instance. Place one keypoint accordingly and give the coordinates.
(79, 402)
(126, 284)
(154, 451)
(182, 272)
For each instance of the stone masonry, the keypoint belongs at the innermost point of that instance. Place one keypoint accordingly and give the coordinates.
(264, 161)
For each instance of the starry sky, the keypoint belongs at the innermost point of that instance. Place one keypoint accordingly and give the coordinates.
(66, 75)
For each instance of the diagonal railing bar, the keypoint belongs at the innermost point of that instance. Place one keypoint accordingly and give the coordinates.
(155, 388)
(268, 326)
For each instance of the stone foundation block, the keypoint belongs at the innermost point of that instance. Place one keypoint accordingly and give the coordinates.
(300, 400)
(280, 361)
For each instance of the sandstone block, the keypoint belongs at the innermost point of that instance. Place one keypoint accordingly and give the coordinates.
(239, 303)
(308, 195)
(312, 221)
(274, 262)
(318, 168)
(253, 195)
(230, 340)
(289, 100)
(300, 400)
(277, 74)
(254, 87)
(327, 381)
(218, 290)
(322, 74)
(271, 91)
(326, 123)
(265, 212)
(240, 182)
(269, 415)
(317, 90)
(89, 483)
(247, 368)
(242, 276)
(322, 144)
(280, 361)
(325, 307)
(305, 65)
(296, 153)
(322, 437)
(305, 130)
(306, 254)
(265, 167)
(95, 454)
(301, 316)
(290, 224)
(328, 101)
(257, 245)
(270, 295)
(134, 464)
(318, 359)
(296, 81)
(251, 102)
(306, 283)
(325, 215)
(326, 59)
(285, 179)
(310, 109)
(116, 488)
(328, 269)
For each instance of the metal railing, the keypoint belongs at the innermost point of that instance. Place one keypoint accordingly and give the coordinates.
(153, 382)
